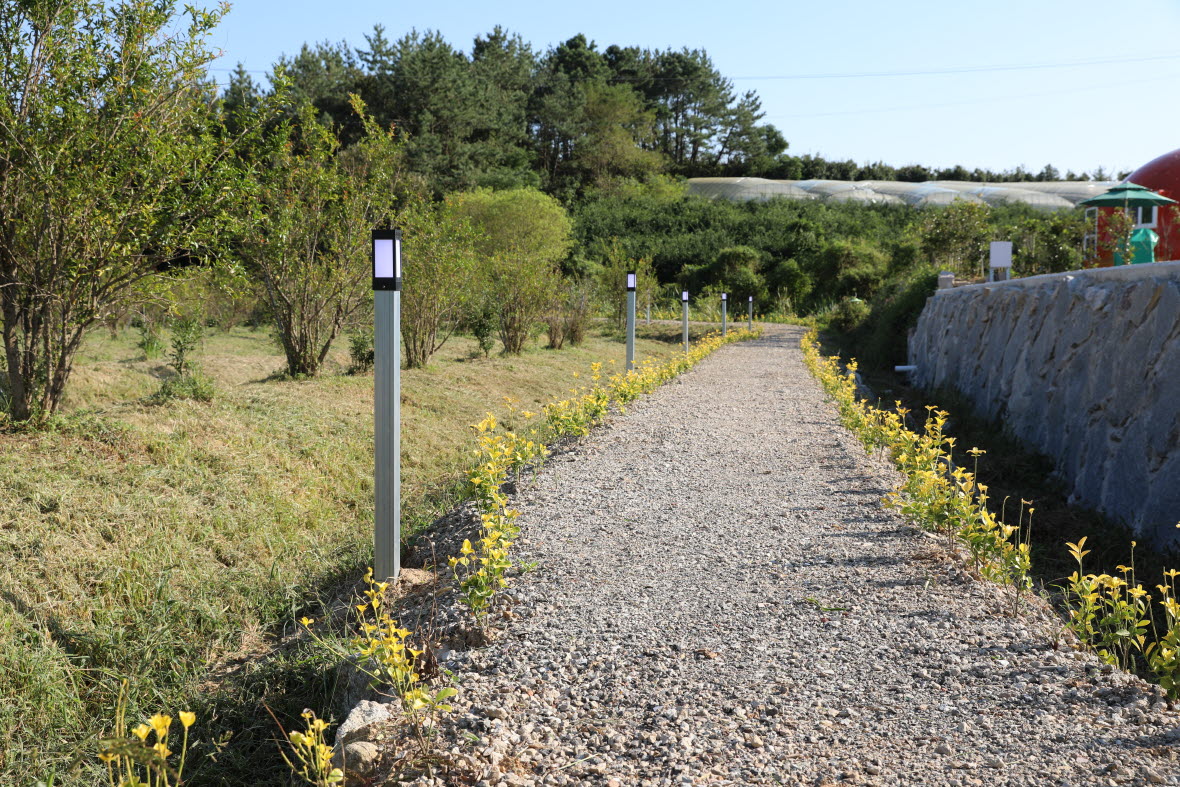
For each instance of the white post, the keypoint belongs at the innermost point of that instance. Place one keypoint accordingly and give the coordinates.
(630, 321)
(1000, 260)
(387, 283)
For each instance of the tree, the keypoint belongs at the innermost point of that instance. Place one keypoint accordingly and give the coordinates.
(241, 101)
(954, 236)
(438, 252)
(313, 212)
(323, 76)
(614, 126)
(112, 170)
(523, 235)
(423, 86)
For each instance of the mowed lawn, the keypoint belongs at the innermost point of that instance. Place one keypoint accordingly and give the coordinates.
(154, 541)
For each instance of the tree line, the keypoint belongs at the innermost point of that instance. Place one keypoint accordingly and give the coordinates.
(537, 180)
(569, 119)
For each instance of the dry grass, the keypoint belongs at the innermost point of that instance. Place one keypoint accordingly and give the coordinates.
(149, 541)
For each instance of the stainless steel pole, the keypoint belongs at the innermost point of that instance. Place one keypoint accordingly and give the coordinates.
(724, 301)
(630, 321)
(750, 315)
(684, 300)
(387, 415)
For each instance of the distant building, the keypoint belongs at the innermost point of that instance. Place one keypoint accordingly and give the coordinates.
(1161, 175)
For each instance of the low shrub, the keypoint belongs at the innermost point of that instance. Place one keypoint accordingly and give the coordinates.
(193, 384)
(360, 352)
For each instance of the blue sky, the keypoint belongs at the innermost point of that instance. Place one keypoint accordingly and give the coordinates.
(1076, 84)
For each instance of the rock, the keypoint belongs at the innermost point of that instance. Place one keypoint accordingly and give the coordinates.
(365, 714)
(943, 749)
(358, 759)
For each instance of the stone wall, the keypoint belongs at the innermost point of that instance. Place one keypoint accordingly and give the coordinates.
(1085, 368)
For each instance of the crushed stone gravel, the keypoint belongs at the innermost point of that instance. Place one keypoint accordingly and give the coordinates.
(721, 598)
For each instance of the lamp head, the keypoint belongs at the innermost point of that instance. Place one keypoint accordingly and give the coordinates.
(387, 260)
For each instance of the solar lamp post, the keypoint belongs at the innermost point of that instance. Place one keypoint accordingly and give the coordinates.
(630, 321)
(684, 317)
(387, 285)
(724, 304)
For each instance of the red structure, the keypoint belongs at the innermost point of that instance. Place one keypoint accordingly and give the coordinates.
(1161, 175)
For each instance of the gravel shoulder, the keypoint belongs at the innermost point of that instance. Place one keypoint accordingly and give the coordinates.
(721, 599)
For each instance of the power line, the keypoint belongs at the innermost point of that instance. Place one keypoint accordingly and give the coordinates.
(943, 105)
(1097, 61)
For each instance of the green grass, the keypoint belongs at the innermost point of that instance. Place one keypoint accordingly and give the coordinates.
(170, 542)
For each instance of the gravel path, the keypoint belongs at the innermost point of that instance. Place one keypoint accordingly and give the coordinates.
(721, 599)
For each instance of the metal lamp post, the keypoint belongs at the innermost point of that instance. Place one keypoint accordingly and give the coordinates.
(684, 303)
(387, 285)
(750, 314)
(630, 321)
(724, 304)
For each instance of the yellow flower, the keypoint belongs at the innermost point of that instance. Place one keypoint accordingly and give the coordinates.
(160, 723)
(141, 732)
(306, 621)
(187, 718)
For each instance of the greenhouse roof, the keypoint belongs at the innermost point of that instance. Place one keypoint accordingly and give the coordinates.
(1042, 195)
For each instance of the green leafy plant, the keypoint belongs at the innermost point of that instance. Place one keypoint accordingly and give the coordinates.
(187, 333)
(360, 352)
(481, 321)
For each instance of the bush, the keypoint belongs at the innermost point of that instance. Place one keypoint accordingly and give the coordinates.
(195, 385)
(439, 257)
(360, 352)
(849, 314)
(186, 337)
(481, 322)
(578, 304)
(523, 234)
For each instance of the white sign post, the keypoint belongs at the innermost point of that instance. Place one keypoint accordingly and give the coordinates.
(684, 302)
(1000, 264)
(387, 284)
(724, 299)
(630, 321)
